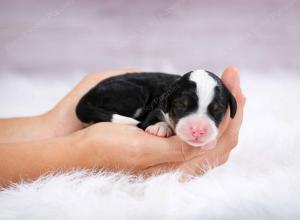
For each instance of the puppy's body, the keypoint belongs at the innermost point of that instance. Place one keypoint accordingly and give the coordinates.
(192, 105)
(133, 95)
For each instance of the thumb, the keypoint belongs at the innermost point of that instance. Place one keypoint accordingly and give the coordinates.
(231, 79)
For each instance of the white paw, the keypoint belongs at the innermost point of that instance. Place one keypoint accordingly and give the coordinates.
(160, 129)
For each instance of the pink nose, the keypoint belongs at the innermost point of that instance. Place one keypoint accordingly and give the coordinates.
(198, 131)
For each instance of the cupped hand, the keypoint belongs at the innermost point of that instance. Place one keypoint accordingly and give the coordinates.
(202, 160)
(113, 146)
(124, 147)
(62, 118)
(229, 132)
(68, 145)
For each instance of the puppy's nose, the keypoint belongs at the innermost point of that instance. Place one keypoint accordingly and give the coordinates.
(198, 131)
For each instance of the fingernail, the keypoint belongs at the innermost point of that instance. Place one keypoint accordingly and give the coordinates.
(232, 69)
(235, 69)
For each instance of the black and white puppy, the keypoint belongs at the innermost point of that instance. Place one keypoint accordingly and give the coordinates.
(191, 106)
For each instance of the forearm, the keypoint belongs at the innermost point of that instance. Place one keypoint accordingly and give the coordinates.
(25, 129)
(29, 160)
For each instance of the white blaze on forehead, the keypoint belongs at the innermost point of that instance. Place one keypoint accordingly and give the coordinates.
(205, 88)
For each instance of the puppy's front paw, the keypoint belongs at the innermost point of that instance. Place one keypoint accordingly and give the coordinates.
(160, 129)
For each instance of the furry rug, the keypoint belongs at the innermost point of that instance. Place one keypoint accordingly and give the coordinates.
(261, 180)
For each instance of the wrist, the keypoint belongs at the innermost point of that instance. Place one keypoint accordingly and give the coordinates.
(62, 121)
(25, 129)
(31, 159)
(65, 153)
(79, 142)
(45, 125)
(85, 150)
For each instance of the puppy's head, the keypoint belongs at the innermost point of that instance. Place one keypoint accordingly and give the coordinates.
(195, 106)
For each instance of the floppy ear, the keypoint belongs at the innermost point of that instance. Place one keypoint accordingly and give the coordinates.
(232, 103)
(233, 106)
(166, 98)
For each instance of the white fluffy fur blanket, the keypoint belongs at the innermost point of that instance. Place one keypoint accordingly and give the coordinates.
(260, 181)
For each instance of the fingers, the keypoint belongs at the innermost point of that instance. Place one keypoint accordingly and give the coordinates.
(229, 132)
(161, 159)
(189, 170)
(92, 79)
(158, 150)
(105, 74)
(229, 129)
(200, 165)
(231, 79)
(158, 169)
(229, 139)
(224, 124)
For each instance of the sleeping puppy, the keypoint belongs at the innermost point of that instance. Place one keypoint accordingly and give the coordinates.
(192, 105)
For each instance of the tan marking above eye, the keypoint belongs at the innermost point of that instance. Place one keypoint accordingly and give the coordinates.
(215, 106)
(185, 102)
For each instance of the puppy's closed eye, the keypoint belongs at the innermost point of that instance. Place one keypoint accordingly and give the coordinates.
(180, 106)
(216, 106)
(182, 102)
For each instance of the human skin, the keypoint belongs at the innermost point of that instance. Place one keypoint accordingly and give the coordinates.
(57, 141)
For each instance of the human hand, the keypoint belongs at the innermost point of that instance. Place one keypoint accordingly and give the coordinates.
(107, 145)
(228, 135)
(118, 147)
(62, 119)
(226, 141)
(145, 152)
(123, 147)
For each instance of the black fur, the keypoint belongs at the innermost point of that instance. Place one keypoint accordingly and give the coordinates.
(123, 95)
(224, 96)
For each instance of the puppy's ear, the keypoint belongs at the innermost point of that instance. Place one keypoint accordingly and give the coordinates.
(232, 103)
(166, 98)
(233, 106)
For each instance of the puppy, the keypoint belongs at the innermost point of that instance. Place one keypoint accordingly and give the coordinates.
(192, 105)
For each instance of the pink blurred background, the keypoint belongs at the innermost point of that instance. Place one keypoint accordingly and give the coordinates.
(47, 46)
(63, 37)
